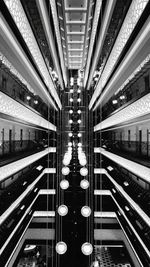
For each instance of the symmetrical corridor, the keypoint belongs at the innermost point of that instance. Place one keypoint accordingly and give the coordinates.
(75, 133)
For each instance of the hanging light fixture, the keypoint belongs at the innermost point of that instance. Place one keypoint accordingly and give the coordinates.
(87, 249)
(84, 184)
(61, 247)
(62, 210)
(64, 184)
(84, 171)
(70, 144)
(86, 211)
(65, 170)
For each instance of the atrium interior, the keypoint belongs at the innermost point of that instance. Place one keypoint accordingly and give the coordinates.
(75, 133)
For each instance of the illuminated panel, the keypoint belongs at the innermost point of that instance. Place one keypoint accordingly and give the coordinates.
(18, 165)
(44, 214)
(12, 69)
(50, 170)
(138, 169)
(135, 11)
(13, 108)
(47, 192)
(102, 192)
(104, 214)
(99, 171)
(135, 110)
(19, 16)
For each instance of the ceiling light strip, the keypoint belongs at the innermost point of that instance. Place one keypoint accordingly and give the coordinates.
(10, 46)
(50, 39)
(133, 15)
(137, 53)
(57, 31)
(103, 31)
(136, 168)
(17, 12)
(14, 167)
(92, 38)
(13, 108)
(134, 111)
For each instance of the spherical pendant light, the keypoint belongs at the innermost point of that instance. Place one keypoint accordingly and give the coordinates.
(62, 210)
(84, 184)
(86, 211)
(84, 171)
(65, 170)
(64, 184)
(61, 247)
(87, 249)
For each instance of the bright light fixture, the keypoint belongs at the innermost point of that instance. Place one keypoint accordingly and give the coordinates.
(66, 160)
(79, 111)
(64, 184)
(70, 111)
(86, 211)
(65, 170)
(62, 210)
(84, 171)
(71, 100)
(70, 121)
(82, 161)
(95, 264)
(84, 184)
(87, 248)
(70, 134)
(79, 144)
(79, 121)
(79, 100)
(61, 247)
(79, 134)
(70, 144)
